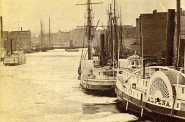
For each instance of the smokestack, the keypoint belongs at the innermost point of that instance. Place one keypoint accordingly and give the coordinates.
(1, 19)
(170, 37)
(155, 11)
(184, 59)
(11, 46)
(178, 30)
(20, 46)
(102, 50)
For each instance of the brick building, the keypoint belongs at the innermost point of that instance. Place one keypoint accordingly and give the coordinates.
(77, 36)
(20, 40)
(59, 39)
(151, 28)
(6, 40)
(183, 23)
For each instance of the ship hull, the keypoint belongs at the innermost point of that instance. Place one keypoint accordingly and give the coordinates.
(156, 112)
(98, 85)
(72, 50)
(129, 103)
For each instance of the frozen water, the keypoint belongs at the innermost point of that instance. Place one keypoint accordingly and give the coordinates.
(46, 89)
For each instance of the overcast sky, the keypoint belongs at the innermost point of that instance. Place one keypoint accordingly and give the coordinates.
(65, 15)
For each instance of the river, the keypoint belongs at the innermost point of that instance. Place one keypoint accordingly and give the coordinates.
(46, 89)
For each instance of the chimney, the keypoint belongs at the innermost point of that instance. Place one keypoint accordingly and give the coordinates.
(155, 11)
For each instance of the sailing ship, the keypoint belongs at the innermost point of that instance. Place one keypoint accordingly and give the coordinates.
(156, 91)
(98, 73)
(43, 47)
(50, 47)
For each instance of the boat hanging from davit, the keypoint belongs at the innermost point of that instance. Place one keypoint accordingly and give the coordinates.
(155, 91)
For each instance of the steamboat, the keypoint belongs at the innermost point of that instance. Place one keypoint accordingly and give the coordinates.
(14, 57)
(98, 73)
(156, 91)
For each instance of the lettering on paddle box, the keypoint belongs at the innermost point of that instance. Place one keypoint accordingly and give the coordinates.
(159, 101)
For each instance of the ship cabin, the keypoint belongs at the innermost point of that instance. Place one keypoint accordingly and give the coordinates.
(134, 61)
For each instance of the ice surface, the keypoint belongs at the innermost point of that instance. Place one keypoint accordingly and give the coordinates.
(46, 89)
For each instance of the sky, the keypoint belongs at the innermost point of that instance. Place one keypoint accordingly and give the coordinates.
(65, 15)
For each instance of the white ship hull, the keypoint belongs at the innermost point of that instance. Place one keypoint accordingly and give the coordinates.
(100, 85)
(159, 93)
(97, 78)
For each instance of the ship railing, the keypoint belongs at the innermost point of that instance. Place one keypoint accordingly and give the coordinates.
(180, 89)
(141, 85)
(168, 68)
(106, 74)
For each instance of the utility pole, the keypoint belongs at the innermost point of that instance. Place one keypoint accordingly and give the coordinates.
(89, 26)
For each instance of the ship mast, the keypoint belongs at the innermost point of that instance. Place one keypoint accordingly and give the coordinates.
(110, 34)
(121, 38)
(115, 33)
(89, 22)
(112, 30)
(89, 26)
(111, 39)
(41, 33)
(49, 33)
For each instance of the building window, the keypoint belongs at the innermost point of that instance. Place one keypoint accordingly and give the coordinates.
(143, 83)
(177, 105)
(182, 90)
